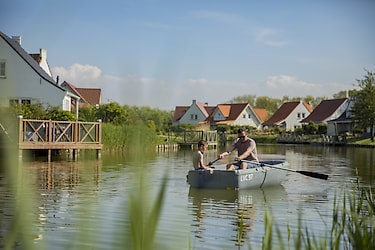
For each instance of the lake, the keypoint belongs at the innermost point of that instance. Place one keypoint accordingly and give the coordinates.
(85, 204)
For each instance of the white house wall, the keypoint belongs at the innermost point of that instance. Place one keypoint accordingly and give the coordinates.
(247, 118)
(194, 112)
(22, 82)
(293, 121)
(218, 116)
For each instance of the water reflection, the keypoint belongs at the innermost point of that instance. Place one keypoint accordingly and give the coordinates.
(242, 209)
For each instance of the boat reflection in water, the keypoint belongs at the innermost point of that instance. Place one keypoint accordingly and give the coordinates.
(213, 210)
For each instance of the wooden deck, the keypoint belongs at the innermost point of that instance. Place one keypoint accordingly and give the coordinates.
(191, 138)
(53, 135)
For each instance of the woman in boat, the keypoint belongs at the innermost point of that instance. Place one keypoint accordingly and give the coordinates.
(198, 162)
(246, 150)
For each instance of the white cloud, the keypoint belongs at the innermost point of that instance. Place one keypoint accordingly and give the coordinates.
(148, 91)
(284, 85)
(83, 75)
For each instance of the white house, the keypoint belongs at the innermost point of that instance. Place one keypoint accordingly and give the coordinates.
(24, 81)
(237, 114)
(232, 114)
(289, 115)
(194, 114)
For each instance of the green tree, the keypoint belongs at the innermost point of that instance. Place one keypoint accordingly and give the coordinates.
(112, 112)
(364, 105)
(56, 114)
(268, 103)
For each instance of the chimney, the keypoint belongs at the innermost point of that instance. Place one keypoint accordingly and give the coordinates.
(194, 101)
(17, 39)
(43, 54)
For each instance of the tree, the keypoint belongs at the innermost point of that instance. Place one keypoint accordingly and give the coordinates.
(364, 105)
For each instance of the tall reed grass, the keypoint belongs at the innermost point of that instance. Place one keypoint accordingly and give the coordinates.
(128, 137)
(352, 226)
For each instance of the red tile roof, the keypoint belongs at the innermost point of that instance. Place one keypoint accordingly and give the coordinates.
(283, 112)
(91, 95)
(324, 110)
(179, 112)
(74, 89)
(230, 111)
(261, 113)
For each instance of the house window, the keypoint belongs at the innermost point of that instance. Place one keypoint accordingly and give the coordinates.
(244, 116)
(2, 69)
(193, 117)
(303, 115)
(26, 102)
(249, 116)
(299, 115)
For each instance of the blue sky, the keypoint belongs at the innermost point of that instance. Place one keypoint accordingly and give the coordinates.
(164, 54)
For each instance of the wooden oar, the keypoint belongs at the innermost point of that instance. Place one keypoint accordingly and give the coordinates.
(212, 162)
(307, 173)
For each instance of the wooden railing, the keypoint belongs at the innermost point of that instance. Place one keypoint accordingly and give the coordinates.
(48, 134)
(192, 137)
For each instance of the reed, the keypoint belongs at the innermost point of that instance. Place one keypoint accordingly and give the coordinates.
(352, 226)
(128, 137)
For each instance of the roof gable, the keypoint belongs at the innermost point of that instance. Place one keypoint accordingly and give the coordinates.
(230, 111)
(282, 113)
(325, 110)
(29, 60)
(73, 89)
(261, 113)
(224, 109)
(179, 112)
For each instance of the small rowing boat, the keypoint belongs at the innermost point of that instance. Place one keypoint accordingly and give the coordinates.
(257, 175)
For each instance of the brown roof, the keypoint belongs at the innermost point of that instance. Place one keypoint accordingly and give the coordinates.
(91, 95)
(179, 112)
(324, 110)
(283, 112)
(74, 89)
(235, 110)
(261, 113)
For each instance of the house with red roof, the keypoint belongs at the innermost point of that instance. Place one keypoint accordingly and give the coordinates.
(194, 114)
(26, 79)
(234, 114)
(88, 96)
(237, 114)
(289, 116)
(327, 110)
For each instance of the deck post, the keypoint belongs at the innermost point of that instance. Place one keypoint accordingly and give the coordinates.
(49, 155)
(20, 137)
(74, 154)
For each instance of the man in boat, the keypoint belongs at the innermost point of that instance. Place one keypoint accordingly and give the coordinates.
(198, 162)
(246, 150)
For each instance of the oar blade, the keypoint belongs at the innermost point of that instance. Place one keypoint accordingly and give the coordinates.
(313, 174)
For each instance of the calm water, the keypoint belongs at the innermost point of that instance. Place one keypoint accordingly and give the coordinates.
(85, 203)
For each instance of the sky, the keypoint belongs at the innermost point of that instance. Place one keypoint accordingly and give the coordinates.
(166, 53)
